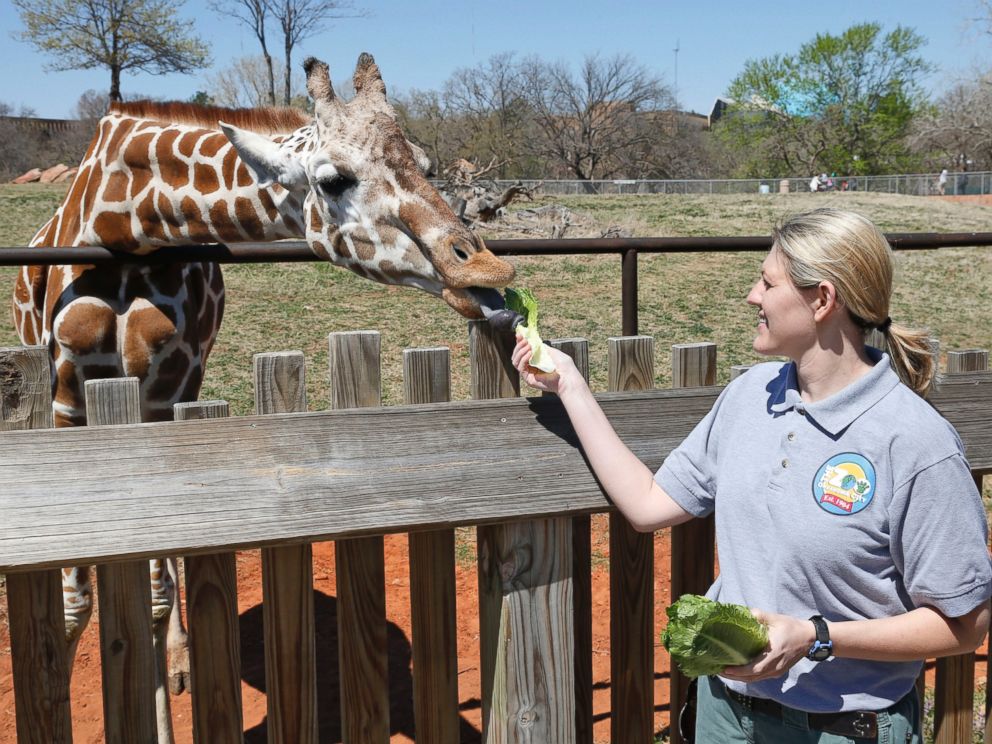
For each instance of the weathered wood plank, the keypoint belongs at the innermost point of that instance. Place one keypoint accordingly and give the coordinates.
(578, 349)
(692, 564)
(38, 658)
(25, 388)
(214, 634)
(525, 601)
(427, 379)
(182, 488)
(287, 582)
(954, 699)
(355, 380)
(128, 658)
(631, 367)
(34, 599)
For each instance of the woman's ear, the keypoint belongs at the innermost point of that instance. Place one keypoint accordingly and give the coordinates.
(826, 302)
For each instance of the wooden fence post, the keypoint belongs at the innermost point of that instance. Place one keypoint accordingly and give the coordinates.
(287, 582)
(631, 367)
(578, 349)
(127, 655)
(361, 575)
(525, 596)
(214, 633)
(427, 379)
(954, 691)
(34, 598)
(693, 541)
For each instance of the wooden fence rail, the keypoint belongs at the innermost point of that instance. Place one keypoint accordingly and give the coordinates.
(207, 485)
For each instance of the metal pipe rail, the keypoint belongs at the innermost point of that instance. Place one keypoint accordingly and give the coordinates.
(628, 248)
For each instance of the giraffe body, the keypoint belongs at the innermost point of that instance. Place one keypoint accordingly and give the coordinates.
(160, 175)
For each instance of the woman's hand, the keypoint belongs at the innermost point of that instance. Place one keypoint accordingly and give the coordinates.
(789, 639)
(550, 382)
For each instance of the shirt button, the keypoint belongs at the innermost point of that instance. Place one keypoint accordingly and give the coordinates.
(785, 463)
(792, 436)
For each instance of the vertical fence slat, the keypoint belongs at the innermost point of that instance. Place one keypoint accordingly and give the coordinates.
(34, 599)
(693, 541)
(631, 367)
(954, 698)
(361, 578)
(578, 349)
(287, 582)
(427, 379)
(127, 656)
(525, 596)
(212, 617)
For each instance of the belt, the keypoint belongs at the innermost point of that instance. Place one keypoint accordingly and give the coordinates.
(857, 724)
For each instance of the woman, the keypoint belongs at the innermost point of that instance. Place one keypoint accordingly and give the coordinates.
(846, 514)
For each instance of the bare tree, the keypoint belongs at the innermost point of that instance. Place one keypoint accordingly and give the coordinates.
(301, 19)
(120, 35)
(489, 98)
(253, 14)
(245, 82)
(958, 130)
(587, 124)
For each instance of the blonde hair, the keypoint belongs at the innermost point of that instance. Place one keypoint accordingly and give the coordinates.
(847, 250)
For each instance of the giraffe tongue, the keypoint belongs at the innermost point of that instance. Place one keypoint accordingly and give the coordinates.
(493, 306)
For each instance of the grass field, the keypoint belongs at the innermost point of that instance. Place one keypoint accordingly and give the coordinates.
(683, 298)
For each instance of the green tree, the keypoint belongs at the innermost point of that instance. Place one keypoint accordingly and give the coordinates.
(121, 35)
(843, 103)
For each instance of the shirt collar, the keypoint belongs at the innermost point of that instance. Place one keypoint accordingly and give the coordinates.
(840, 410)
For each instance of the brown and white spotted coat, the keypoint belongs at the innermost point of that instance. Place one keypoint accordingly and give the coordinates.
(160, 175)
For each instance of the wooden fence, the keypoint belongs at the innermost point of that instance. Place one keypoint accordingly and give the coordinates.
(206, 486)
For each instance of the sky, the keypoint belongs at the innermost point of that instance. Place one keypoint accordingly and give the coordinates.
(418, 44)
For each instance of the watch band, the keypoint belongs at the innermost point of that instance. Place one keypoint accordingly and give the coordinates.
(822, 648)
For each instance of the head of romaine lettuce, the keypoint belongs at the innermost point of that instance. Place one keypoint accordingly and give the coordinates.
(704, 636)
(523, 301)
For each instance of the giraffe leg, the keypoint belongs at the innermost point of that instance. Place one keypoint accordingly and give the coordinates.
(163, 596)
(178, 641)
(77, 599)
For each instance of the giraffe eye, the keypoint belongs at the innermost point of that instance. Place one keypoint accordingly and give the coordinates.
(335, 186)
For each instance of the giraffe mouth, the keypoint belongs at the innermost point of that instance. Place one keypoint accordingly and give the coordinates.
(482, 302)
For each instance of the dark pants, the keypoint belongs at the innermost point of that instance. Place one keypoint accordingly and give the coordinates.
(722, 720)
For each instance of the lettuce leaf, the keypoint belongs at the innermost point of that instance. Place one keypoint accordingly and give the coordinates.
(523, 301)
(704, 636)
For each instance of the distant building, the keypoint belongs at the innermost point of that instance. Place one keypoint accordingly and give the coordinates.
(46, 126)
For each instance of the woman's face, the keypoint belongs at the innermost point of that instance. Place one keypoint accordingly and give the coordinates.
(785, 312)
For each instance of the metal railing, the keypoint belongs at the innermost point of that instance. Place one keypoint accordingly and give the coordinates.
(911, 184)
(627, 248)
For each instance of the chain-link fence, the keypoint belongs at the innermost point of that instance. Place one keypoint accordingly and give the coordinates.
(916, 184)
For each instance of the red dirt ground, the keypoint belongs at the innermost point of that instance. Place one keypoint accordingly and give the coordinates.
(85, 692)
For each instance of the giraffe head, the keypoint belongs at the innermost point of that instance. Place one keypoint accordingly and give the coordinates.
(367, 203)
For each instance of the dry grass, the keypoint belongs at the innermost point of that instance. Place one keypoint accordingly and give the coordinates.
(683, 298)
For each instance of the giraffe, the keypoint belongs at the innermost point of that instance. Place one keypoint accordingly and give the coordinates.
(159, 175)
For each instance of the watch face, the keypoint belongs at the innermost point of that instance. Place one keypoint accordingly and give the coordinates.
(821, 654)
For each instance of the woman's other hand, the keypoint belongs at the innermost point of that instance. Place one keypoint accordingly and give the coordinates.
(789, 639)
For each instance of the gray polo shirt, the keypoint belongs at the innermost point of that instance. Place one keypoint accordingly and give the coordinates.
(858, 506)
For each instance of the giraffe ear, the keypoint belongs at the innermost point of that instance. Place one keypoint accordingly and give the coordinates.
(270, 163)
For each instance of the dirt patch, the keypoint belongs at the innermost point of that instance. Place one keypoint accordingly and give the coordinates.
(85, 691)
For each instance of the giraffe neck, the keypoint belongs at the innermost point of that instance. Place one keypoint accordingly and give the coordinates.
(146, 184)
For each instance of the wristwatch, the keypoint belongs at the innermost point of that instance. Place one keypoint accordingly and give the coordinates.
(822, 648)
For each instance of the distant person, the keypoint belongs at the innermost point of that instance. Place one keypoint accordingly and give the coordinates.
(963, 183)
(814, 184)
(942, 182)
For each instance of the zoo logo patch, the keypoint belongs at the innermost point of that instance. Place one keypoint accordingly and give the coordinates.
(844, 484)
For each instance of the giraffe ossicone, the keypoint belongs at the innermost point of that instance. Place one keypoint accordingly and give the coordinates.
(159, 175)
(367, 204)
